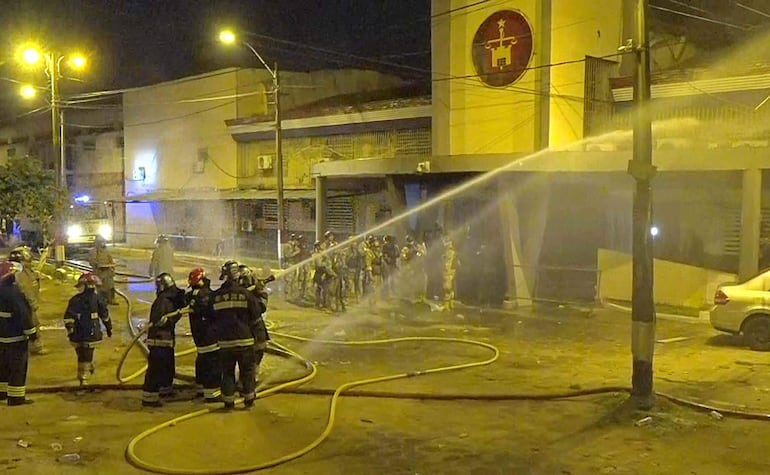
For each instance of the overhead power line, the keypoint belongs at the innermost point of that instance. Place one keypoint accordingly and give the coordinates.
(699, 17)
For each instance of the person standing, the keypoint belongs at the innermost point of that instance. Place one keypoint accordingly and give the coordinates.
(208, 367)
(164, 313)
(28, 281)
(449, 257)
(162, 261)
(17, 329)
(103, 266)
(390, 255)
(236, 315)
(83, 319)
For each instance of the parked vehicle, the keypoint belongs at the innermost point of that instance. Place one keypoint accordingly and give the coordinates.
(745, 309)
(86, 220)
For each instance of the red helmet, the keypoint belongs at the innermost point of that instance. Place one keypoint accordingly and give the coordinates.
(89, 279)
(196, 276)
(8, 269)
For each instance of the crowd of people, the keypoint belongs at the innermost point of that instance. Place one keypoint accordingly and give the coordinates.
(331, 274)
(226, 325)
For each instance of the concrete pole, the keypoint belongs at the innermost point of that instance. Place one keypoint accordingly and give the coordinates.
(278, 162)
(320, 207)
(641, 168)
(52, 66)
(751, 219)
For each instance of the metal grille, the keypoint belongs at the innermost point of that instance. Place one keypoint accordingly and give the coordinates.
(413, 142)
(598, 107)
(339, 214)
(731, 236)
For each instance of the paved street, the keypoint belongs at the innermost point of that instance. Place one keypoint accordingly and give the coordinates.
(553, 350)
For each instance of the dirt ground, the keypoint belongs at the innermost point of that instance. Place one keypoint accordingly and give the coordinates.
(552, 350)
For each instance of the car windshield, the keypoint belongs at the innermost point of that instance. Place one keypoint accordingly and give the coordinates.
(81, 212)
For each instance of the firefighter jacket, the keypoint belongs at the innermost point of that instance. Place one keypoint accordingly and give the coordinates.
(28, 282)
(16, 322)
(100, 259)
(85, 313)
(163, 319)
(202, 318)
(238, 316)
(390, 254)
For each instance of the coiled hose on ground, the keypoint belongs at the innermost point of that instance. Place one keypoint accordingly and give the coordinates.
(293, 387)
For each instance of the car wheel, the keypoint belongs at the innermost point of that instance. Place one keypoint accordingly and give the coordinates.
(756, 333)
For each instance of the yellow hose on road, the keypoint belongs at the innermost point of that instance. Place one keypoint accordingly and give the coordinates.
(138, 462)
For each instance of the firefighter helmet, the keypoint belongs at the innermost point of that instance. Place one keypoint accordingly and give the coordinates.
(163, 282)
(328, 235)
(99, 241)
(196, 276)
(161, 238)
(229, 271)
(317, 245)
(21, 254)
(8, 269)
(293, 237)
(89, 280)
(246, 276)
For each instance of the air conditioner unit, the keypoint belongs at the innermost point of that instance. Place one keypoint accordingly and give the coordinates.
(265, 162)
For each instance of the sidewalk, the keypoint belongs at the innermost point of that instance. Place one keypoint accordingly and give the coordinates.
(197, 259)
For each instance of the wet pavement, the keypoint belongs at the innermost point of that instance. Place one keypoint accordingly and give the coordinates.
(552, 350)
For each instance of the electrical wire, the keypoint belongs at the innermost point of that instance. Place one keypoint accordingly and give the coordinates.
(167, 119)
(699, 17)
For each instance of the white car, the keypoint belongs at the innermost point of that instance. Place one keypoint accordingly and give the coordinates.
(745, 309)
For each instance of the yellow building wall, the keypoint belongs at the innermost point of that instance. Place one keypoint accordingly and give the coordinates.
(471, 117)
(167, 124)
(579, 28)
(675, 284)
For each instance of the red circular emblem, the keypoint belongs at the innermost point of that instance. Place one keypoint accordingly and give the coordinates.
(502, 48)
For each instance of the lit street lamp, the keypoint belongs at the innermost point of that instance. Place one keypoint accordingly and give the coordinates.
(228, 37)
(33, 56)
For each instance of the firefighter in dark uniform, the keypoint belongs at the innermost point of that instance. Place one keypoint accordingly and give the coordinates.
(257, 288)
(322, 276)
(208, 367)
(236, 314)
(164, 313)
(28, 281)
(16, 330)
(83, 320)
(390, 255)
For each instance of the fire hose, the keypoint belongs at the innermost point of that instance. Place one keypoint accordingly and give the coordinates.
(292, 387)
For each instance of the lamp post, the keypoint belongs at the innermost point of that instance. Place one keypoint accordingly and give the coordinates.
(53, 63)
(228, 37)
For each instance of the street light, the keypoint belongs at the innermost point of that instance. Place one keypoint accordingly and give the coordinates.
(32, 56)
(27, 91)
(229, 37)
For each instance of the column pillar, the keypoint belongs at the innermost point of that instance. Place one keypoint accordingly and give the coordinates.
(751, 218)
(320, 206)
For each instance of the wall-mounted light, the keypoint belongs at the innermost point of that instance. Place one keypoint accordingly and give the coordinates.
(140, 173)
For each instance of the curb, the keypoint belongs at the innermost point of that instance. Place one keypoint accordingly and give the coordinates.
(665, 316)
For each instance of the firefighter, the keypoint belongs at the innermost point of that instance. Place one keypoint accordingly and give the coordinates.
(208, 367)
(412, 262)
(292, 253)
(162, 261)
(303, 271)
(258, 289)
(356, 266)
(83, 319)
(103, 266)
(28, 281)
(449, 257)
(369, 258)
(390, 255)
(164, 313)
(17, 329)
(329, 240)
(322, 275)
(338, 284)
(236, 313)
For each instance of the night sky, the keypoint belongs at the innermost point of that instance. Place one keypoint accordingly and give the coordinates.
(139, 42)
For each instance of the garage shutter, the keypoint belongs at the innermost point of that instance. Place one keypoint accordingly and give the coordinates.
(732, 231)
(339, 214)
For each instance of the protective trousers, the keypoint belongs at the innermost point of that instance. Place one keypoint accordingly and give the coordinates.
(208, 373)
(14, 358)
(159, 378)
(246, 359)
(85, 361)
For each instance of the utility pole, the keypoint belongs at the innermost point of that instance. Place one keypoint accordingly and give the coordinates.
(643, 171)
(278, 161)
(52, 68)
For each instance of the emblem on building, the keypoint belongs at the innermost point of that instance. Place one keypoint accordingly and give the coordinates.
(502, 48)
